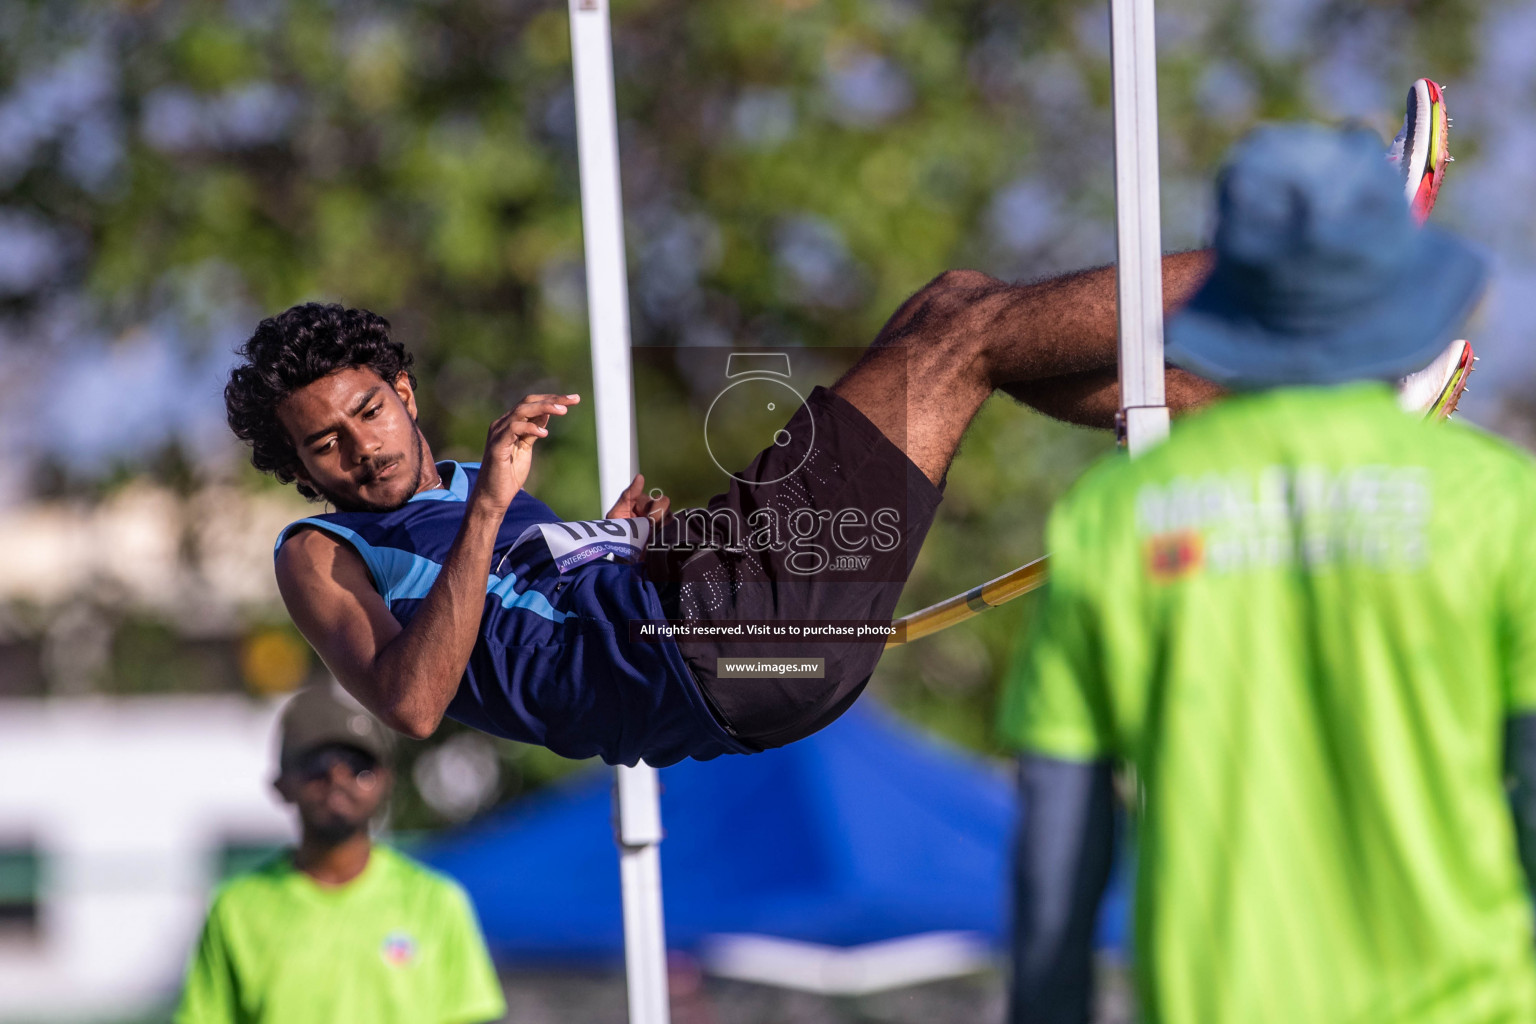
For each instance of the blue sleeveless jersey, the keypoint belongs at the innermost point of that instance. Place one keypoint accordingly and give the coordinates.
(554, 664)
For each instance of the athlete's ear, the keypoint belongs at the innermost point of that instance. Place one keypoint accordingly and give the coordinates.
(284, 787)
(406, 392)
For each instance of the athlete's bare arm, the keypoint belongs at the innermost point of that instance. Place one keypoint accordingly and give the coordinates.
(408, 675)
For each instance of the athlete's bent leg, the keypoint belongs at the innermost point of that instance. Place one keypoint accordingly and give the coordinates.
(817, 536)
(1051, 344)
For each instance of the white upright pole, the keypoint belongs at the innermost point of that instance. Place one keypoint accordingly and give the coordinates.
(637, 820)
(1138, 232)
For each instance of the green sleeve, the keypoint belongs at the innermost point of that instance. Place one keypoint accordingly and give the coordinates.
(210, 995)
(1054, 697)
(472, 992)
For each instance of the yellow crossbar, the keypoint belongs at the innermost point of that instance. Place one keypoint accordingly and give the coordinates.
(971, 603)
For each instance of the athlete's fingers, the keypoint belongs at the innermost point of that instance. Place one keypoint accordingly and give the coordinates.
(532, 414)
(563, 399)
(510, 431)
(518, 436)
(538, 410)
(658, 509)
(624, 506)
(629, 498)
(534, 406)
(527, 431)
(542, 400)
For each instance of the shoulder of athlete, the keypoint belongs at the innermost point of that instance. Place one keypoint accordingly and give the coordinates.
(310, 554)
(322, 580)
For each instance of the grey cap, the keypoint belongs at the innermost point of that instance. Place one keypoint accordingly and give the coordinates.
(324, 714)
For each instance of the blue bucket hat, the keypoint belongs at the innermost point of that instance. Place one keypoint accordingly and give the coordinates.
(1321, 275)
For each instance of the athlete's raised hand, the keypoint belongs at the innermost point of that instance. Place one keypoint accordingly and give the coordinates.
(635, 503)
(509, 447)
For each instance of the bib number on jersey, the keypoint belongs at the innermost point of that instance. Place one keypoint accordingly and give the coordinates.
(575, 544)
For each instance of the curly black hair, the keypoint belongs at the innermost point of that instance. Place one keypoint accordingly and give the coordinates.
(295, 348)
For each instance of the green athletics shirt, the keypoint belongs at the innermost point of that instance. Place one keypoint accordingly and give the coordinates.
(1304, 619)
(397, 945)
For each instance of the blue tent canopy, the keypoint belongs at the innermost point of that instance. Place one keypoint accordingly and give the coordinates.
(864, 832)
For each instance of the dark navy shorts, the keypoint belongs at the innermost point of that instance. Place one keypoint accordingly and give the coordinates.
(819, 534)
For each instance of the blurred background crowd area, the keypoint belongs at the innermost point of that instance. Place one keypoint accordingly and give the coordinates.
(171, 171)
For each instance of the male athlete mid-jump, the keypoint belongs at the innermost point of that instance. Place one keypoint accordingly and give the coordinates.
(430, 591)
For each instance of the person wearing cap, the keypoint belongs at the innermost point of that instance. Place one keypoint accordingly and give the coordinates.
(340, 928)
(1307, 621)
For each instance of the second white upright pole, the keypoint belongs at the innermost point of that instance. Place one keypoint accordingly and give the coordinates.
(637, 818)
(1138, 227)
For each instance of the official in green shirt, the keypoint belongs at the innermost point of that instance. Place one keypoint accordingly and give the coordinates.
(340, 929)
(1308, 621)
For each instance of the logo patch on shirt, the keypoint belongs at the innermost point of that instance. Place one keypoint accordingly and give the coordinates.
(1317, 517)
(1173, 555)
(399, 949)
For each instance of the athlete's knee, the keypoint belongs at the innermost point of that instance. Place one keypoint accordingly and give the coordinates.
(951, 309)
(956, 283)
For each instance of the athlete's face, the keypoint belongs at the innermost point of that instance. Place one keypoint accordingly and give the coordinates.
(357, 440)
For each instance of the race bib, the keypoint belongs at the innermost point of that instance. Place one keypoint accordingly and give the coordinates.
(576, 544)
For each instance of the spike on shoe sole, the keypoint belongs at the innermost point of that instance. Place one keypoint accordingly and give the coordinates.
(1434, 391)
(1423, 146)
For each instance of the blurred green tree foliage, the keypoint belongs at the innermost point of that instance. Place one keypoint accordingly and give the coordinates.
(792, 170)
